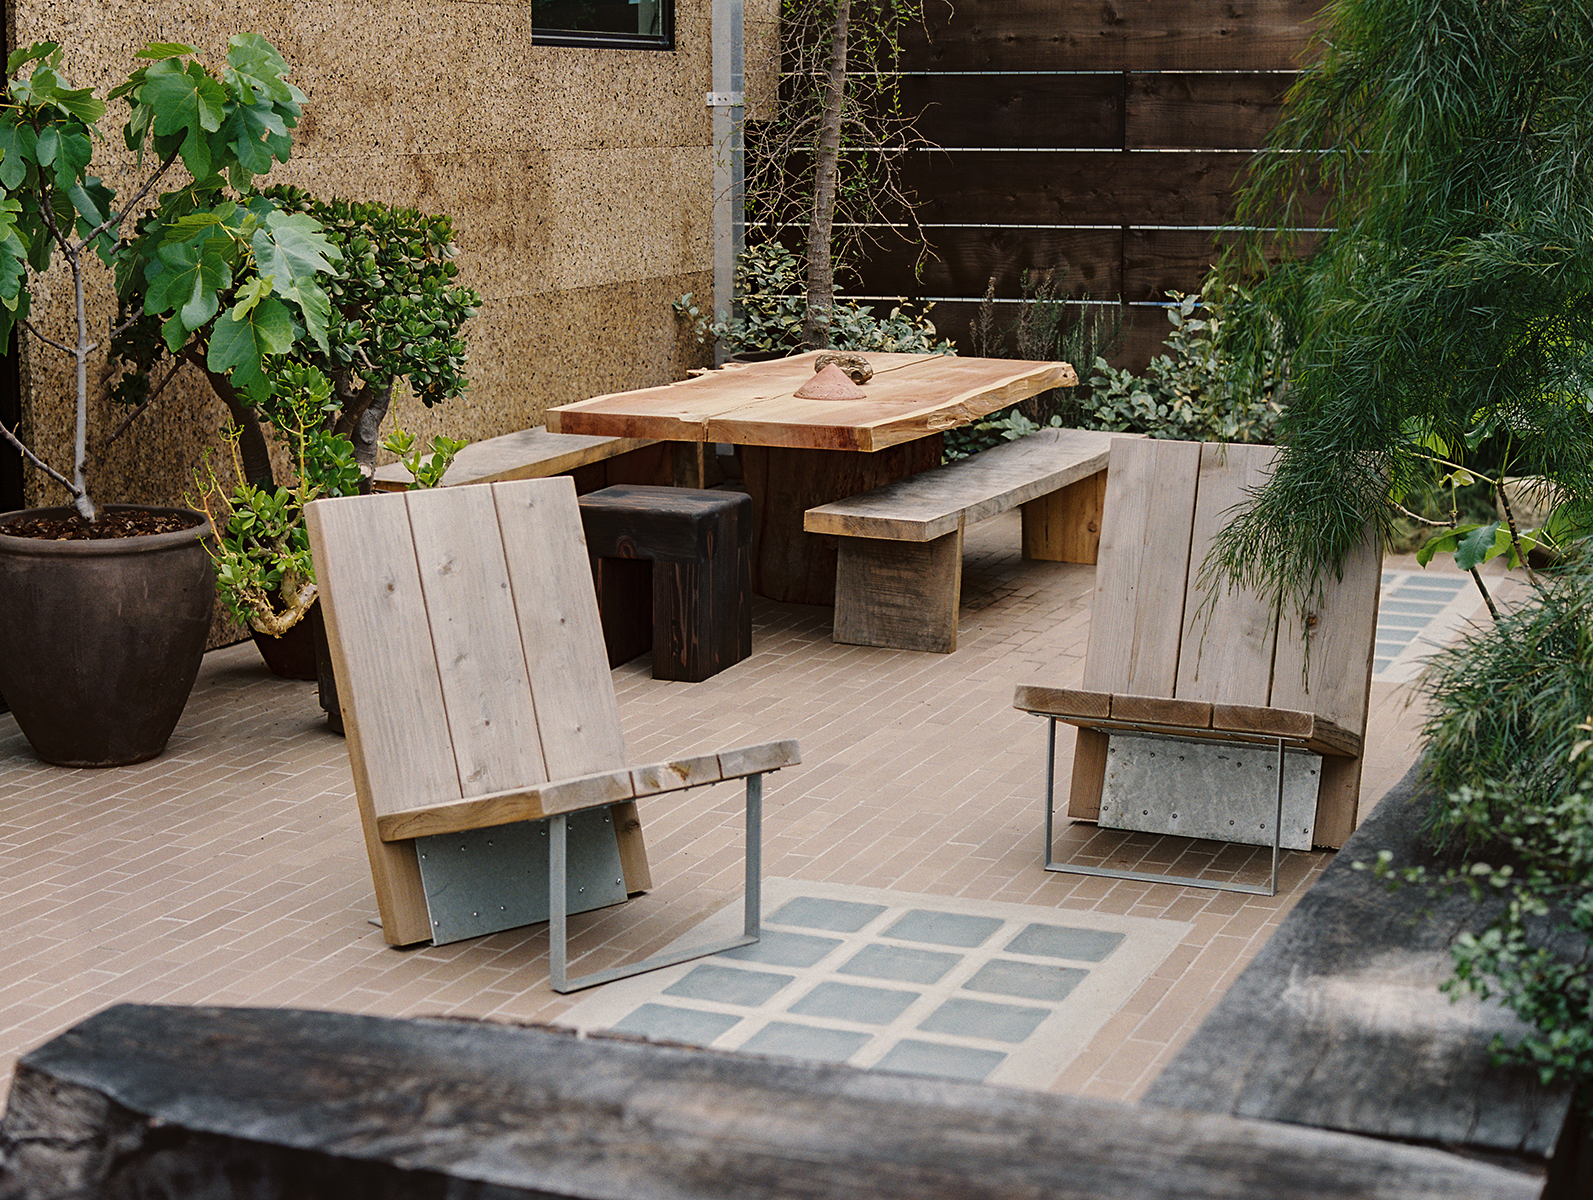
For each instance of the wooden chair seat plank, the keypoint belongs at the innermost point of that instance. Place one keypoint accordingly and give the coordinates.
(1062, 702)
(1161, 710)
(588, 791)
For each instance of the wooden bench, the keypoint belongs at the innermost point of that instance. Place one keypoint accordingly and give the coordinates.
(595, 462)
(898, 576)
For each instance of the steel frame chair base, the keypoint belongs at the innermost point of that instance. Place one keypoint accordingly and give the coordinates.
(558, 947)
(1249, 889)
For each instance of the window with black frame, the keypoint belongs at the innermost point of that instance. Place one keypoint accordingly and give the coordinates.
(619, 24)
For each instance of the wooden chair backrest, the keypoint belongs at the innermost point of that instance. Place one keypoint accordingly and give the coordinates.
(1155, 632)
(464, 626)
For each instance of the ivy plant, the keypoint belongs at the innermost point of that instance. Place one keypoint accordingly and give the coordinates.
(240, 279)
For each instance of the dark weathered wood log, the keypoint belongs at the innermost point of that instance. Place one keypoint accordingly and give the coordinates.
(177, 1102)
(1338, 1022)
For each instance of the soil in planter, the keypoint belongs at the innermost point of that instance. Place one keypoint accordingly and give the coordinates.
(132, 523)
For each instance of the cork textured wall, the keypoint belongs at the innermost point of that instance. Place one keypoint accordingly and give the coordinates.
(579, 179)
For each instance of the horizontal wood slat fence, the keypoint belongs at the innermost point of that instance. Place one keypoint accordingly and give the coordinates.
(1100, 141)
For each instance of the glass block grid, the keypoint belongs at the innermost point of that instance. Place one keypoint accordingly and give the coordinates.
(1417, 613)
(1000, 993)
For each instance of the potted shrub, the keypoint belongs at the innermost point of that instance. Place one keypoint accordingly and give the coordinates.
(107, 608)
(396, 316)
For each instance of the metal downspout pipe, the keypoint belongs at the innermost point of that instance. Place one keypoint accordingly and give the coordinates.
(726, 103)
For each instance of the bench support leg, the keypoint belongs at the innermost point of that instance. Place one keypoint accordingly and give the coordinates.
(1065, 526)
(903, 595)
(558, 930)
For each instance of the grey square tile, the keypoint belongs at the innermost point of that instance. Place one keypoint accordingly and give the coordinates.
(665, 1022)
(1027, 981)
(839, 916)
(853, 1002)
(790, 1040)
(1064, 941)
(926, 1058)
(985, 1019)
(1401, 621)
(904, 964)
(729, 985)
(943, 928)
(778, 948)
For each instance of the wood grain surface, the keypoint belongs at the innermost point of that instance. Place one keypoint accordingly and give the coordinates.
(318, 1106)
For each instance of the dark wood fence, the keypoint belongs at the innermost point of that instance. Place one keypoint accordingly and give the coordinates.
(1098, 140)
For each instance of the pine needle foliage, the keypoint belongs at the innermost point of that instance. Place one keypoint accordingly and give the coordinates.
(1508, 707)
(1451, 302)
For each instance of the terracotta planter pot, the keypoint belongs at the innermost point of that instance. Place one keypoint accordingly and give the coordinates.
(100, 641)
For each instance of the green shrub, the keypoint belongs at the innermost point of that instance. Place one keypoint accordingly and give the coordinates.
(1193, 392)
(1505, 705)
(771, 304)
(1508, 740)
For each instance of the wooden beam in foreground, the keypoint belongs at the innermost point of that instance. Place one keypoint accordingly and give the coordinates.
(146, 1100)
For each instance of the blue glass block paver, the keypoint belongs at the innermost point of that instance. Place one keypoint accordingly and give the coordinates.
(927, 1058)
(942, 928)
(992, 1022)
(790, 1040)
(1402, 621)
(853, 1002)
(1064, 941)
(838, 916)
(1430, 607)
(665, 1022)
(904, 964)
(729, 985)
(778, 948)
(1027, 981)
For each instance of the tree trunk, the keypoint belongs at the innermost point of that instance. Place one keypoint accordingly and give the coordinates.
(252, 448)
(367, 432)
(826, 169)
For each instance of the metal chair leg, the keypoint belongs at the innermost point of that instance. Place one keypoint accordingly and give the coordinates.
(557, 905)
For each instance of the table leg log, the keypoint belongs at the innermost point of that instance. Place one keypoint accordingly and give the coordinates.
(788, 563)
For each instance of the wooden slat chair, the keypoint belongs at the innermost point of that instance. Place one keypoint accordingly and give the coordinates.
(1166, 658)
(482, 721)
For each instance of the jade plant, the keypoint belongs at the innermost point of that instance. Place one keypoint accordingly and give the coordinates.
(264, 573)
(235, 274)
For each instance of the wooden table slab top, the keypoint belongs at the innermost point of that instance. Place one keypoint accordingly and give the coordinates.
(911, 396)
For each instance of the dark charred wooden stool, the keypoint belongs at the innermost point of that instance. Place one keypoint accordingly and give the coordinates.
(673, 568)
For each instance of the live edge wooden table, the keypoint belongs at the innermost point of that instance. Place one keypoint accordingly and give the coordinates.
(797, 454)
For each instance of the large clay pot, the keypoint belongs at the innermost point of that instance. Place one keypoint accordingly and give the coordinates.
(100, 641)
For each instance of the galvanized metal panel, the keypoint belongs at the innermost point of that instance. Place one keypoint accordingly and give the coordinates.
(484, 880)
(1209, 789)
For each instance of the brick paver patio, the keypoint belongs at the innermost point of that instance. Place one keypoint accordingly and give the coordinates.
(230, 870)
